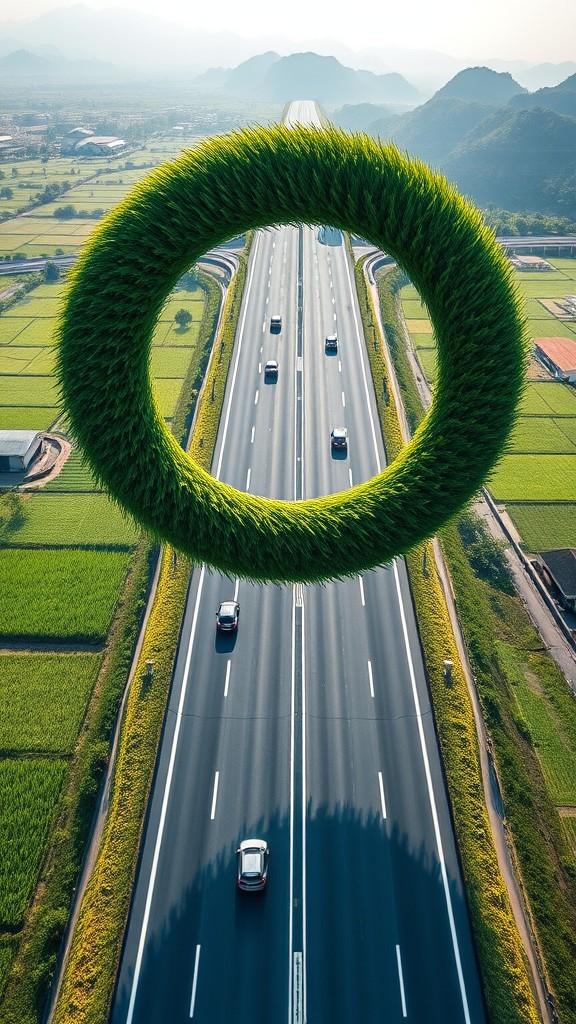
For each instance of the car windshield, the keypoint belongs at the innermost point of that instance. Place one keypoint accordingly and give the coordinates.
(251, 863)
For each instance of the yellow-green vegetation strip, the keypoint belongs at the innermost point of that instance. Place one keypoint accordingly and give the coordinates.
(505, 980)
(38, 943)
(547, 866)
(491, 617)
(90, 972)
(275, 175)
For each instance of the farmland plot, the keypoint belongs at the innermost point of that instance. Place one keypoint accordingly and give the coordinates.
(29, 791)
(74, 520)
(534, 478)
(544, 527)
(60, 595)
(43, 699)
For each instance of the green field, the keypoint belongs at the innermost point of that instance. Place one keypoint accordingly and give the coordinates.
(44, 699)
(75, 475)
(169, 362)
(429, 362)
(569, 826)
(167, 392)
(549, 399)
(59, 595)
(557, 758)
(22, 389)
(545, 527)
(28, 417)
(29, 791)
(536, 435)
(74, 520)
(534, 478)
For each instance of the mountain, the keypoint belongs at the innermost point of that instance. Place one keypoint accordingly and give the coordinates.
(545, 76)
(434, 129)
(275, 79)
(374, 118)
(561, 98)
(519, 160)
(24, 64)
(482, 85)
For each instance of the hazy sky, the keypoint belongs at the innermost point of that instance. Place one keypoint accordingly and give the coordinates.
(534, 30)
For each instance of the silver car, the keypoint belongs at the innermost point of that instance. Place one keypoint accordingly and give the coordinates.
(252, 864)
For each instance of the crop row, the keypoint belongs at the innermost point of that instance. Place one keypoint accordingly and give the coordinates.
(59, 595)
(70, 520)
(29, 790)
(44, 699)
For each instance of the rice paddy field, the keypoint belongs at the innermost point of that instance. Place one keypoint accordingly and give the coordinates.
(536, 479)
(64, 559)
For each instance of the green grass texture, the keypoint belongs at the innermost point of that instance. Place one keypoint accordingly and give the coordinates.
(251, 179)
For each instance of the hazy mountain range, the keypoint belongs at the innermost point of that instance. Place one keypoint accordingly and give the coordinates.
(498, 143)
(148, 45)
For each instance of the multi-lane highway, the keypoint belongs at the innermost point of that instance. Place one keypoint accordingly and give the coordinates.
(310, 728)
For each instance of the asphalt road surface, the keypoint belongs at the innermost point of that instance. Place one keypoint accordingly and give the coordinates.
(310, 728)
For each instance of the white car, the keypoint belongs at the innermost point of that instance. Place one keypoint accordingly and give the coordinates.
(252, 865)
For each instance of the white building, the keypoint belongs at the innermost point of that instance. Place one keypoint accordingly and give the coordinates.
(18, 448)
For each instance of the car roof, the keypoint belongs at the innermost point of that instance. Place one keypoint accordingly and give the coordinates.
(228, 607)
(272, 362)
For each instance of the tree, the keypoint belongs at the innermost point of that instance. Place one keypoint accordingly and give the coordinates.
(6, 193)
(51, 273)
(183, 318)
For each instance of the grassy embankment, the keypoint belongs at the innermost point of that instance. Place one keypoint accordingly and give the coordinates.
(505, 979)
(531, 717)
(90, 972)
(59, 708)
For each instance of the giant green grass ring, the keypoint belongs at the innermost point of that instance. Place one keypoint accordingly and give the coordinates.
(251, 179)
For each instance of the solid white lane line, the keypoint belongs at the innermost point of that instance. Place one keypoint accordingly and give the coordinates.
(248, 479)
(226, 684)
(432, 800)
(236, 588)
(382, 797)
(256, 397)
(361, 582)
(350, 476)
(195, 981)
(304, 805)
(291, 851)
(401, 980)
(370, 679)
(214, 796)
(363, 365)
(252, 435)
(254, 254)
(343, 400)
(165, 798)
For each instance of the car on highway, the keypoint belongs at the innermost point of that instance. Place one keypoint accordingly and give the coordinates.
(227, 616)
(252, 865)
(276, 323)
(331, 343)
(339, 438)
(271, 370)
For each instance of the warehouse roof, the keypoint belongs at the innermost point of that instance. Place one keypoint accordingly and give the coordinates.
(17, 442)
(562, 351)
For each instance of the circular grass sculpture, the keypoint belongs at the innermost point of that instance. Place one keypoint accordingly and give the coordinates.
(251, 179)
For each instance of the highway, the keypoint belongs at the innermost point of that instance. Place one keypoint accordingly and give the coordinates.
(310, 728)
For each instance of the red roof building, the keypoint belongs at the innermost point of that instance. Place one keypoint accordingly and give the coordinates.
(559, 356)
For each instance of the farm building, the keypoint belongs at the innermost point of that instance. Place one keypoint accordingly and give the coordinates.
(561, 565)
(559, 356)
(521, 262)
(18, 448)
(99, 145)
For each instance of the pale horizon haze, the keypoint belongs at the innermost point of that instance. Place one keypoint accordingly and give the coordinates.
(480, 29)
